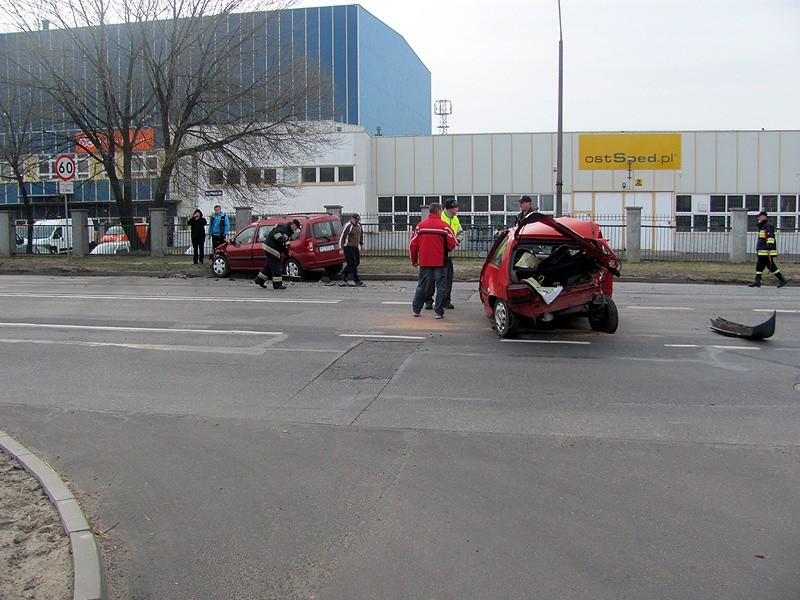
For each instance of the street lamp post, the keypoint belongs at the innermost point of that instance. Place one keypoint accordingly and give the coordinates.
(560, 134)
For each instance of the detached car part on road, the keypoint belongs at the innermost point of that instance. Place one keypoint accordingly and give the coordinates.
(317, 247)
(549, 268)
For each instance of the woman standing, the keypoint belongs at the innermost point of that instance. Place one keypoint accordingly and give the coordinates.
(198, 226)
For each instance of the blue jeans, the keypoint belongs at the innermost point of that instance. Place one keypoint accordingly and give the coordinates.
(439, 276)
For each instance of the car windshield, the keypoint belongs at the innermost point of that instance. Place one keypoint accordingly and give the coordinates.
(327, 229)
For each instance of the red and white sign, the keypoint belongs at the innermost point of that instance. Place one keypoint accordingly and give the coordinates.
(65, 167)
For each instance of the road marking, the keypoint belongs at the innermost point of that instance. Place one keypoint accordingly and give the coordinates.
(712, 346)
(736, 347)
(168, 298)
(256, 350)
(777, 310)
(396, 302)
(386, 337)
(659, 307)
(548, 342)
(140, 329)
(682, 345)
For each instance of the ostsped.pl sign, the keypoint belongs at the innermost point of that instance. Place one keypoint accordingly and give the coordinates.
(609, 151)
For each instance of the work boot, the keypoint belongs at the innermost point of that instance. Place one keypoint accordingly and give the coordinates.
(260, 282)
(278, 286)
(781, 280)
(756, 283)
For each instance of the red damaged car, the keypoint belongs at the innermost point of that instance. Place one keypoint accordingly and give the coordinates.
(549, 268)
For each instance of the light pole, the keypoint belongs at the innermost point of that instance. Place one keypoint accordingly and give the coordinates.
(560, 134)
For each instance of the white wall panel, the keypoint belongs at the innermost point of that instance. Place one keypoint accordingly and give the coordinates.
(726, 163)
(501, 163)
(747, 162)
(443, 164)
(790, 162)
(423, 164)
(544, 161)
(769, 161)
(684, 180)
(404, 163)
(521, 163)
(705, 161)
(482, 164)
(462, 164)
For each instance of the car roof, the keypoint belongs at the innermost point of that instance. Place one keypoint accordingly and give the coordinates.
(272, 219)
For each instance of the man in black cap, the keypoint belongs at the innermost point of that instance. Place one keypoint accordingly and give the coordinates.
(525, 209)
(767, 250)
(449, 216)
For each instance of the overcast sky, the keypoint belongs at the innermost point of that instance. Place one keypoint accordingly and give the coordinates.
(628, 65)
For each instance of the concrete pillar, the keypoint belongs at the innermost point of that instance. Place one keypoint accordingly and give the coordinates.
(244, 216)
(334, 209)
(158, 233)
(633, 234)
(737, 237)
(8, 242)
(80, 232)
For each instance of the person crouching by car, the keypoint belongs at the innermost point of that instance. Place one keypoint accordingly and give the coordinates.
(197, 224)
(275, 245)
(352, 242)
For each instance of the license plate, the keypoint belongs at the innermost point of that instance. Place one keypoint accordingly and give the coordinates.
(325, 248)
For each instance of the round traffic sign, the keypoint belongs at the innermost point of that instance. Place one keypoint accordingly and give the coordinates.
(65, 167)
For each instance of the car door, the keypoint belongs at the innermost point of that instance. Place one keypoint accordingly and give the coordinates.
(240, 250)
(494, 276)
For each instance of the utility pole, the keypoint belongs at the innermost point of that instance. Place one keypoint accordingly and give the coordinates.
(560, 134)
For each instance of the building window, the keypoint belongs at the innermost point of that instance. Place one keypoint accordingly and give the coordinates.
(143, 164)
(752, 222)
(752, 201)
(309, 175)
(718, 223)
(401, 222)
(683, 223)
(82, 164)
(547, 202)
(345, 173)
(700, 222)
(384, 222)
(400, 204)
(769, 203)
(683, 203)
(498, 203)
(385, 204)
(788, 223)
(735, 202)
(270, 176)
(788, 203)
(291, 175)
(464, 203)
(431, 199)
(717, 203)
(415, 204)
(252, 176)
(327, 174)
(215, 176)
(481, 204)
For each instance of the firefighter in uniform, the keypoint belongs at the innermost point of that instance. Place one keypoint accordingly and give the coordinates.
(277, 243)
(767, 251)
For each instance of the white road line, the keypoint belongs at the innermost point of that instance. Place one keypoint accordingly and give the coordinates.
(736, 347)
(777, 310)
(548, 342)
(385, 337)
(257, 350)
(397, 302)
(711, 346)
(659, 307)
(682, 345)
(167, 298)
(140, 329)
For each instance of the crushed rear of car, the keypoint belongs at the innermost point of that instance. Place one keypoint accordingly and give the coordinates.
(546, 269)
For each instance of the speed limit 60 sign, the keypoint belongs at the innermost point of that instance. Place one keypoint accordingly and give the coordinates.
(65, 167)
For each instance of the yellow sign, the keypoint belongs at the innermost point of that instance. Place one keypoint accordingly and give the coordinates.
(614, 151)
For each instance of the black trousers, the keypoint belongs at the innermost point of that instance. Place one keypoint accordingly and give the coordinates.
(197, 247)
(216, 240)
(448, 287)
(353, 257)
(273, 270)
(765, 262)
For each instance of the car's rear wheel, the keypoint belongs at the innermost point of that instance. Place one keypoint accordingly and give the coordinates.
(220, 266)
(334, 269)
(607, 319)
(505, 322)
(293, 269)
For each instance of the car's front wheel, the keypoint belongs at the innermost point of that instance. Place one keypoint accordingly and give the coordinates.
(293, 269)
(220, 266)
(607, 319)
(505, 322)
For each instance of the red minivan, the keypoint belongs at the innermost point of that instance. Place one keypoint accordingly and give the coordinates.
(549, 268)
(316, 248)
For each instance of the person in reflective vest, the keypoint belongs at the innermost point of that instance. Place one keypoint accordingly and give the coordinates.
(276, 244)
(767, 250)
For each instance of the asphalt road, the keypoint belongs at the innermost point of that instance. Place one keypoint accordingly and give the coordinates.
(322, 443)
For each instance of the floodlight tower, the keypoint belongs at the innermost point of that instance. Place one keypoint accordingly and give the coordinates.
(443, 108)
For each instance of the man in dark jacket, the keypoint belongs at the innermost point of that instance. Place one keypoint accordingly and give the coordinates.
(525, 208)
(430, 245)
(767, 250)
(352, 242)
(277, 244)
(197, 224)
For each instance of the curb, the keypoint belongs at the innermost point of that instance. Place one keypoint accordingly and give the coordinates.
(89, 581)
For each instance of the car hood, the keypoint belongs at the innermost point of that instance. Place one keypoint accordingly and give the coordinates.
(596, 248)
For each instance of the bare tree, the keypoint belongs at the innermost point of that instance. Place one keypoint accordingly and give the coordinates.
(189, 79)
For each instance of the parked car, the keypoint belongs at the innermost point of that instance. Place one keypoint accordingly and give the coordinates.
(316, 248)
(117, 233)
(112, 248)
(548, 268)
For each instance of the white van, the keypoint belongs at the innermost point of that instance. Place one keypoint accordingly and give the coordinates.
(54, 236)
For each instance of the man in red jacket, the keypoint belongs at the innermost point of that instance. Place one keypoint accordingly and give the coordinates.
(430, 244)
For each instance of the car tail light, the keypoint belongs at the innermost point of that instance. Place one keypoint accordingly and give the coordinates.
(309, 245)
